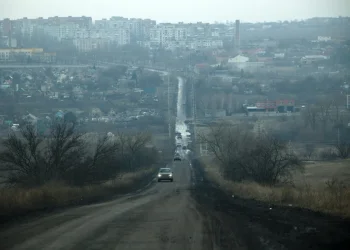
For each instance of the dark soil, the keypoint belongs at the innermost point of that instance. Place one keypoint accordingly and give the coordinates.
(249, 224)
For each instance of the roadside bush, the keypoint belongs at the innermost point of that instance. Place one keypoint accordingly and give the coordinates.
(66, 155)
(244, 156)
(333, 197)
(343, 149)
(19, 201)
(309, 150)
(328, 154)
(282, 118)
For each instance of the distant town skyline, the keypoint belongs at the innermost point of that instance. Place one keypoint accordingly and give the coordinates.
(179, 10)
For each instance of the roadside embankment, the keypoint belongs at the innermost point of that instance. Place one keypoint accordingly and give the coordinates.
(328, 193)
(16, 203)
(257, 216)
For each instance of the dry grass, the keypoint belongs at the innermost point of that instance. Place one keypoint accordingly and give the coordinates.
(17, 201)
(332, 197)
(317, 173)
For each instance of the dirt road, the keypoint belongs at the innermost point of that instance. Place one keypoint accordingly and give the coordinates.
(190, 213)
(163, 217)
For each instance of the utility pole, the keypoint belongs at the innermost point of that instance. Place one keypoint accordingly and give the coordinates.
(290, 149)
(338, 136)
(194, 111)
(259, 128)
(169, 112)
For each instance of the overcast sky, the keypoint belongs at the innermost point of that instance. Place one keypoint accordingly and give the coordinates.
(178, 10)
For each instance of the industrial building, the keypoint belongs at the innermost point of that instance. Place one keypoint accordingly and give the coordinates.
(278, 106)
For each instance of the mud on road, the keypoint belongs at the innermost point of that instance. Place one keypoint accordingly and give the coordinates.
(248, 224)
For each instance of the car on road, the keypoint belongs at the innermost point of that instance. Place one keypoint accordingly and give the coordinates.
(165, 174)
(177, 158)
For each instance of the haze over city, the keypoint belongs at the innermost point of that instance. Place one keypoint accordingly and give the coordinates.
(173, 124)
(180, 10)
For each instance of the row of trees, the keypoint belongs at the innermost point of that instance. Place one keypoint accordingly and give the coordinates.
(243, 155)
(68, 155)
(325, 112)
(338, 150)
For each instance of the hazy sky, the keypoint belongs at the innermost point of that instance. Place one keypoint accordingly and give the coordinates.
(178, 10)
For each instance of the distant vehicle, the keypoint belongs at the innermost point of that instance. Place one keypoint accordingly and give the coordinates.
(178, 145)
(15, 127)
(177, 158)
(179, 137)
(165, 174)
(184, 147)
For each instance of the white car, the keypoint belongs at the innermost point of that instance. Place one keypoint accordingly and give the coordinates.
(165, 174)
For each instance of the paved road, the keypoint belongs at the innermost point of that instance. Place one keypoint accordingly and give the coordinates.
(162, 217)
(102, 64)
(13, 66)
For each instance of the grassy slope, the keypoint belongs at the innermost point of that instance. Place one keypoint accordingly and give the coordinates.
(19, 201)
(323, 187)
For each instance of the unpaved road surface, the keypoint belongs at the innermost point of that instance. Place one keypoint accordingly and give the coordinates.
(163, 217)
(190, 213)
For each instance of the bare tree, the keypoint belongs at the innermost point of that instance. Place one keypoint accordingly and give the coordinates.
(34, 160)
(245, 156)
(134, 146)
(65, 155)
(337, 102)
(324, 111)
(22, 157)
(103, 164)
(270, 161)
(65, 149)
(310, 115)
(309, 150)
(122, 140)
(343, 149)
(106, 147)
(226, 142)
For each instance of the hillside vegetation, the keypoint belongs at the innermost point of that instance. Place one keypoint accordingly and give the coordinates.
(265, 168)
(66, 168)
